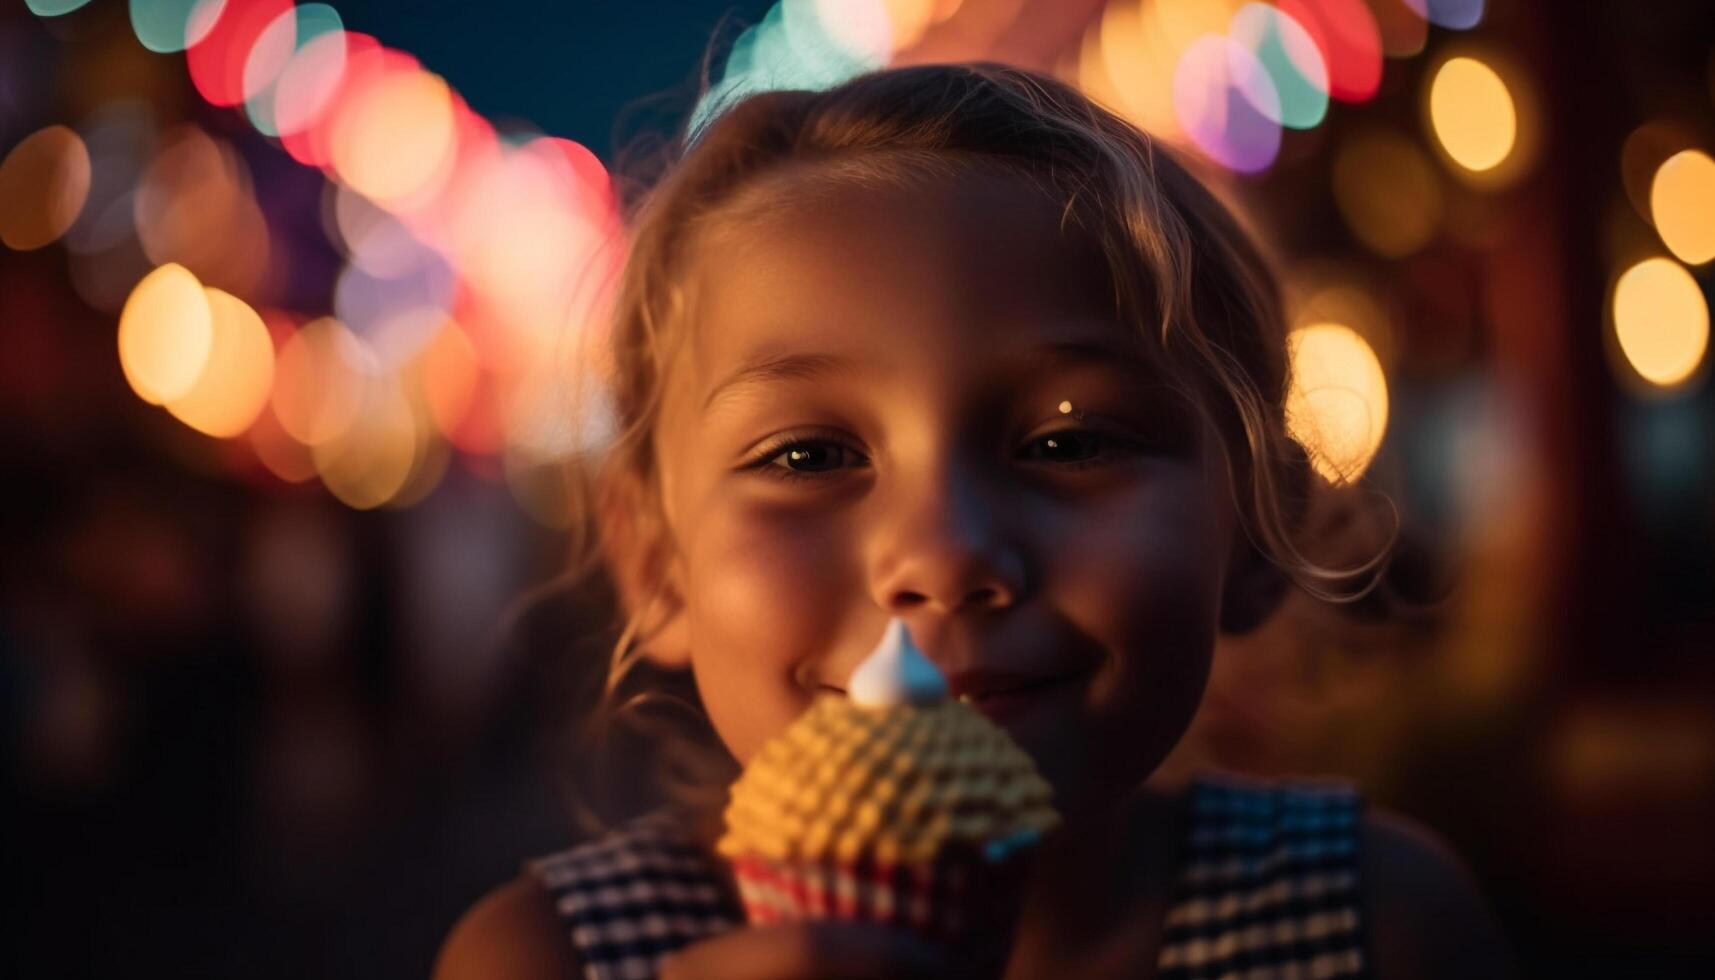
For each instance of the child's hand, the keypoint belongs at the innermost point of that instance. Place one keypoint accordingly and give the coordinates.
(812, 951)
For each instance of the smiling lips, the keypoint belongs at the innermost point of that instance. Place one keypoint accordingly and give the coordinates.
(982, 685)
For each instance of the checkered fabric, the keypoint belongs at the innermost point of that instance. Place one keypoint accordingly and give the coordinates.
(1269, 890)
(1270, 887)
(635, 895)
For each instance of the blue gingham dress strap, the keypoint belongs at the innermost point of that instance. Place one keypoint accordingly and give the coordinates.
(636, 894)
(1269, 889)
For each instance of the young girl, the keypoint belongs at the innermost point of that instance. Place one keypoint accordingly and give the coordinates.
(953, 344)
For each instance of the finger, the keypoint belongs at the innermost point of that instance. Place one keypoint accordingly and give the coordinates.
(801, 951)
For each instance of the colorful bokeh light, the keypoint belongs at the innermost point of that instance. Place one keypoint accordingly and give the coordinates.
(1227, 104)
(308, 83)
(217, 61)
(276, 50)
(1292, 60)
(1345, 32)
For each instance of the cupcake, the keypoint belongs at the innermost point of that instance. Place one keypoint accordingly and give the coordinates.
(894, 804)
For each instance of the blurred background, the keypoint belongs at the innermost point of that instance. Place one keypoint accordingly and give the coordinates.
(292, 297)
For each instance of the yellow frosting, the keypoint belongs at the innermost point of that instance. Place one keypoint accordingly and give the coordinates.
(895, 784)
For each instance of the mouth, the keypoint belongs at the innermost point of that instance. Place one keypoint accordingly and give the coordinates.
(1001, 697)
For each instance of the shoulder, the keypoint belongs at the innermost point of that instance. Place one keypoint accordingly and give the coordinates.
(1426, 917)
(512, 932)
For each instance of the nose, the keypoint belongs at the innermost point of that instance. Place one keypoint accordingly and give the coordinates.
(946, 548)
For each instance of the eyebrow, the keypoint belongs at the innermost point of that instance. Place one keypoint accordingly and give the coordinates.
(771, 368)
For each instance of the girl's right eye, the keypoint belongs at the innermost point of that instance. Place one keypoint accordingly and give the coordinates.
(801, 459)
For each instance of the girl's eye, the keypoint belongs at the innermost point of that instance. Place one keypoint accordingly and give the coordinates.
(1068, 449)
(1078, 449)
(800, 459)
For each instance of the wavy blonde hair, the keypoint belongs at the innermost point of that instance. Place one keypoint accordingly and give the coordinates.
(1184, 272)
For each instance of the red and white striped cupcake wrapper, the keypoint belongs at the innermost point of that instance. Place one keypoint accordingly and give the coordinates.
(935, 899)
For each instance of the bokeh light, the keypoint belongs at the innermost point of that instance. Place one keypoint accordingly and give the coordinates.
(166, 331)
(374, 239)
(120, 140)
(1345, 32)
(44, 182)
(268, 56)
(1185, 22)
(308, 83)
(1291, 58)
(860, 29)
(911, 19)
(1337, 296)
(372, 306)
(1646, 148)
(1458, 15)
(235, 381)
(1403, 28)
(429, 465)
(319, 381)
(1388, 191)
(165, 26)
(369, 462)
(194, 206)
(1127, 63)
(1227, 104)
(1661, 321)
(807, 44)
(1473, 114)
(1682, 204)
(1337, 406)
(275, 51)
(279, 453)
(53, 8)
(449, 376)
(217, 61)
(345, 71)
(394, 138)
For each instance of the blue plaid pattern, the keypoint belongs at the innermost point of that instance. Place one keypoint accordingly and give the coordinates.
(1269, 890)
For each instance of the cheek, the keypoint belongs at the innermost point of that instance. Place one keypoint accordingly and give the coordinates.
(1147, 568)
(1143, 583)
(764, 592)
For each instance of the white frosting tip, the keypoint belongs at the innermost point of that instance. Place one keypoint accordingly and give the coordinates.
(896, 673)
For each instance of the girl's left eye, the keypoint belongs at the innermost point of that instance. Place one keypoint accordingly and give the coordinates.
(1066, 449)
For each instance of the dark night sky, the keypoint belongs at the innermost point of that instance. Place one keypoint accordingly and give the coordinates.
(569, 67)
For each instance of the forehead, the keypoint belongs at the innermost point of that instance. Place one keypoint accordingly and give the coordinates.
(922, 276)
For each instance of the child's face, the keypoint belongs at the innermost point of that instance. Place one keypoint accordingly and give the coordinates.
(928, 467)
